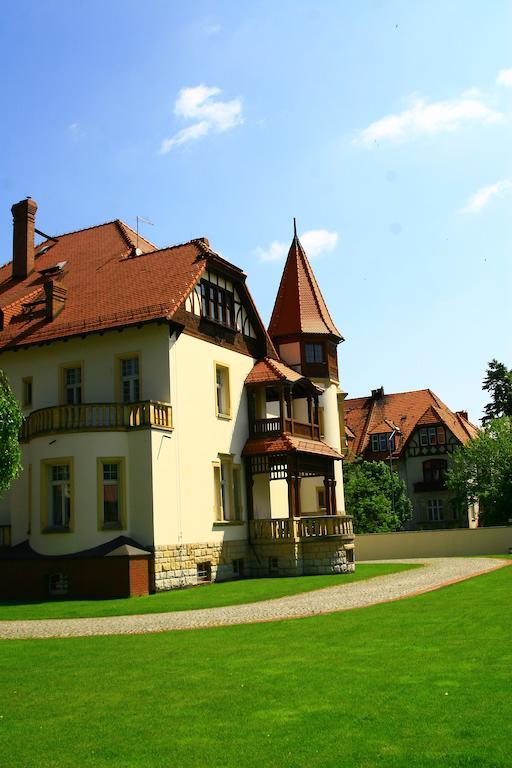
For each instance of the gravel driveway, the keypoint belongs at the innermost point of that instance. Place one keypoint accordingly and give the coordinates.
(437, 572)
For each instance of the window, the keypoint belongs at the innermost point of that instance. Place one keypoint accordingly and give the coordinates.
(58, 584)
(238, 568)
(314, 353)
(57, 494)
(227, 488)
(130, 382)
(111, 493)
(222, 394)
(432, 436)
(320, 499)
(72, 385)
(382, 442)
(435, 510)
(217, 304)
(26, 394)
(204, 571)
(434, 470)
(273, 565)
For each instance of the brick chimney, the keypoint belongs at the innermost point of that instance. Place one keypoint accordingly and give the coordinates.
(378, 394)
(463, 414)
(24, 216)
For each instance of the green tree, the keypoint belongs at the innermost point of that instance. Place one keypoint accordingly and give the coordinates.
(481, 471)
(10, 424)
(375, 497)
(498, 382)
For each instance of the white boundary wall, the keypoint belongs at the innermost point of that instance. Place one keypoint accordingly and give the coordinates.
(455, 541)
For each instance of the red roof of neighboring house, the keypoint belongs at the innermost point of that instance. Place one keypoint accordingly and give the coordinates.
(108, 283)
(286, 443)
(300, 306)
(404, 411)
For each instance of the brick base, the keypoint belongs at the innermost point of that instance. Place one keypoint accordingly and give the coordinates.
(177, 566)
(79, 577)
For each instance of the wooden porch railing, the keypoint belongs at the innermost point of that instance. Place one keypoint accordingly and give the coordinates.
(90, 417)
(276, 426)
(5, 535)
(276, 529)
(266, 427)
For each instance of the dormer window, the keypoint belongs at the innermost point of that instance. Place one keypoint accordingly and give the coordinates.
(217, 304)
(432, 436)
(383, 442)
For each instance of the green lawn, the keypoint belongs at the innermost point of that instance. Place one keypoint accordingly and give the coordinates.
(208, 596)
(424, 682)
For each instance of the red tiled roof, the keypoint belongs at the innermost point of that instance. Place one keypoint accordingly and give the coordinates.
(107, 284)
(268, 371)
(300, 306)
(287, 443)
(403, 410)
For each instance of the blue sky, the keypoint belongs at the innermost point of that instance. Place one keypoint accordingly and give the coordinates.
(384, 127)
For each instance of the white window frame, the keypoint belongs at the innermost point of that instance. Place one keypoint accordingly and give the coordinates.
(59, 518)
(131, 379)
(222, 391)
(435, 513)
(227, 478)
(73, 388)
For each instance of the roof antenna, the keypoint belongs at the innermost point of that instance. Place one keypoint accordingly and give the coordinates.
(145, 221)
(294, 228)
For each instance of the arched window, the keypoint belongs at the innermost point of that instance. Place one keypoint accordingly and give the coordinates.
(434, 470)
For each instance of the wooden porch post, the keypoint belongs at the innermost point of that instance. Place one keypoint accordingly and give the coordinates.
(310, 418)
(249, 483)
(290, 479)
(333, 497)
(282, 408)
(297, 495)
(327, 491)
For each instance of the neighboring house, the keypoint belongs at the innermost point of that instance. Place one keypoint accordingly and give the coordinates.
(416, 433)
(169, 439)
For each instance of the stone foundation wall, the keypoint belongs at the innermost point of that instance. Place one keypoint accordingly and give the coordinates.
(177, 566)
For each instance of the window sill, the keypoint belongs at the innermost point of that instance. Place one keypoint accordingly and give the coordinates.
(223, 523)
(57, 529)
(224, 416)
(112, 527)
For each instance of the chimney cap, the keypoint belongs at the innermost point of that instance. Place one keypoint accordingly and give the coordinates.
(378, 394)
(27, 203)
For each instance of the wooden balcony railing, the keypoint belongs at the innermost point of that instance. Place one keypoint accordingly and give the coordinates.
(278, 529)
(92, 417)
(276, 426)
(5, 535)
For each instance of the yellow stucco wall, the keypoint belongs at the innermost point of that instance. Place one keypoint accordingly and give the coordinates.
(456, 541)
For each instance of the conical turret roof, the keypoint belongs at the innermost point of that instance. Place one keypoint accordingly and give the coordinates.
(300, 306)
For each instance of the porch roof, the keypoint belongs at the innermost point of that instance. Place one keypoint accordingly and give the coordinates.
(289, 444)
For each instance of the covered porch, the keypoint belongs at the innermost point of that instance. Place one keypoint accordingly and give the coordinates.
(291, 494)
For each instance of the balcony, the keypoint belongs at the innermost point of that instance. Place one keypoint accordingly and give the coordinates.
(97, 417)
(297, 528)
(5, 536)
(276, 426)
(429, 485)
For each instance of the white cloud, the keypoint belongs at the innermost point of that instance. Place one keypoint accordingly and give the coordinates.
(211, 114)
(212, 29)
(480, 199)
(505, 78)
(423, 118)
(315, 242)
(318, 241)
